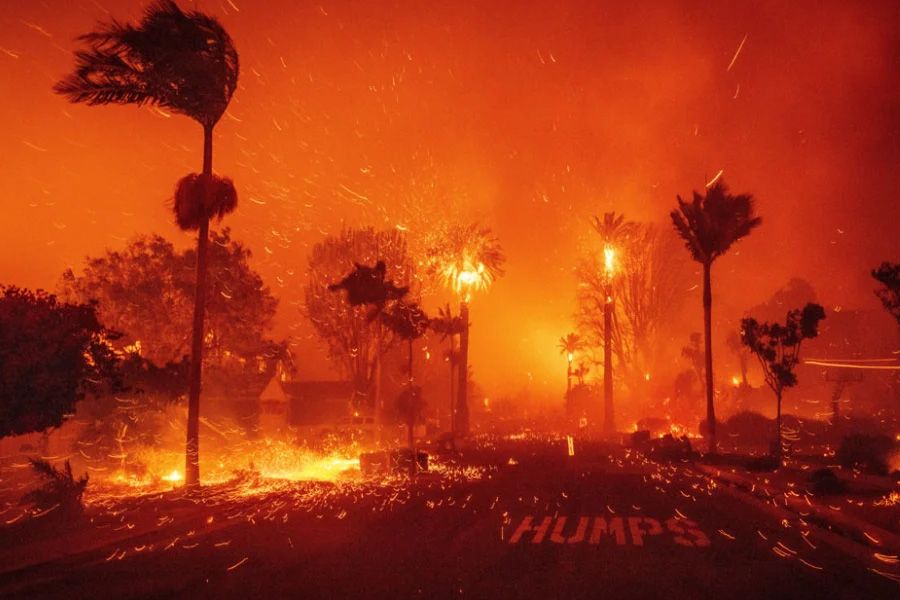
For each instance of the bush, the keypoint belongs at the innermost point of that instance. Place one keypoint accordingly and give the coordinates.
(748, 427)
(825, 481)
(765, 463)
(60, 489)
(866, 452)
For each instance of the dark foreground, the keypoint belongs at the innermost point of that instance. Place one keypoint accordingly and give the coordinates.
(542, 525)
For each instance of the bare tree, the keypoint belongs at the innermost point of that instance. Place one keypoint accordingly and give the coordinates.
(355, 340)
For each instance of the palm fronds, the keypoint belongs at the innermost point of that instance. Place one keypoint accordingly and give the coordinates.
(711, 223)
(181, 61)
(199, 198)
(60, 489)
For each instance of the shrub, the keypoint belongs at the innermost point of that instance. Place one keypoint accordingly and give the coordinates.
(60, 489)
(825, 481)
(867, 452)
(765, 463)
(748, 427)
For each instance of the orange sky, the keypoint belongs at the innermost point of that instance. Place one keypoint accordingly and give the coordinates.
(530, 116)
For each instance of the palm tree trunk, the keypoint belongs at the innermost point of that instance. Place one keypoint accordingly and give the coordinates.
(707, 342)
(609, 422)
(411, 416)
(777, 448)
(462, 406)
(452, 394)
(192, 450)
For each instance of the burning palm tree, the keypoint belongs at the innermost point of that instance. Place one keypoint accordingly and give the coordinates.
(569, 344)
(615, 233)
(709, 225)
(449, 325)
(466, 258)
(184, 62)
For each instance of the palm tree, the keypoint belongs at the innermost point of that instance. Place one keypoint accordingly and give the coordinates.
(615, 233)
(449, 325)
(184, 62)
(466, 258)
(569, 344)
(709, 225)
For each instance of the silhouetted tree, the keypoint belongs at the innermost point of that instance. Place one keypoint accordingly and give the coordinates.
(740, 352)
(709, 225)
(51, 355)
(366, 285)
(568, 345)
(888, 275)
(647, 291)
(60, 490)
(778, 349)
(355, 340)
(694, 355)
(615, 233)
(409, 322)
(184, 62)
(449, 326)
(465, 258)
(146, 291)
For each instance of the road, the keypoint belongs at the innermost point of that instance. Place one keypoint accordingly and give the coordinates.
(524, 520)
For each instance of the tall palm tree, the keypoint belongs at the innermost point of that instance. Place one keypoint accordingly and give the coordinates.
(568, 345)
(183, 61)
(709, 225)
(449, 325)
(615, 233)
(466, 258)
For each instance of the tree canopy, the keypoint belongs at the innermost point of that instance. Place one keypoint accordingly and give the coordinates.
(183, 61)
(711, 223)
(888, 275)
(777, 346)
(349, 334)
(51, 354)
(145, 291)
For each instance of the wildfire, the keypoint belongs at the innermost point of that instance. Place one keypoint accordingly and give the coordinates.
(467, 275)
(152, 469)
(609, 259)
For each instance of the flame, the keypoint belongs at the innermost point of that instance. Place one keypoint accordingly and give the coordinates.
(735, 381)
(609, 259)
(175, 476)
(467, 275)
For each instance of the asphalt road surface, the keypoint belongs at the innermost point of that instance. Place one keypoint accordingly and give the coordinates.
(525, 520)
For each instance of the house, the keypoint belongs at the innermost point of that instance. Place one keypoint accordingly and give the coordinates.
(285, 404)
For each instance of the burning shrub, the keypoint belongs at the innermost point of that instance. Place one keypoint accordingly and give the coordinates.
(867, 452)
(60, 491)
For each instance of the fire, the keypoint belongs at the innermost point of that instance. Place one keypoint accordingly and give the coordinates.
(153, 469)
(467, 275)
(735, 381)
(609, 259)
(175, 476)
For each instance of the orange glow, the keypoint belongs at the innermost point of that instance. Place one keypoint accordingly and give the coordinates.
(609, 260)
(466, 276)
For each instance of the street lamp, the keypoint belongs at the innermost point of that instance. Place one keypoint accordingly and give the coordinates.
(609, 268)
